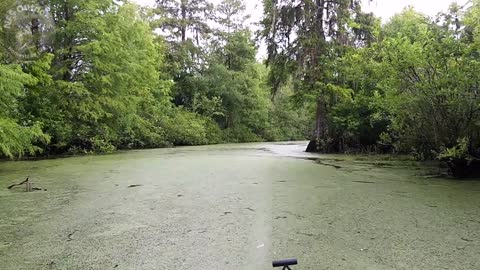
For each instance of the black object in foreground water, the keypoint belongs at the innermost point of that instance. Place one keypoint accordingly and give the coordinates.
(284, 263)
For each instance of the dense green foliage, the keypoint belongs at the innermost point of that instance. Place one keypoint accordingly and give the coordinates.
(110, 75)
(100, 78)
(408, 86)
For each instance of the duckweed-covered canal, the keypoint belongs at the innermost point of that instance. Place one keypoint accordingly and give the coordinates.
(234, 207)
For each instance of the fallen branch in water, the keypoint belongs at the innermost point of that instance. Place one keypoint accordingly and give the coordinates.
(28, 185)
(328, 164)
(26, 182)
(69, 236)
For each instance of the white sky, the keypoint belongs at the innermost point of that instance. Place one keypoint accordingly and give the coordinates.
(387, 8)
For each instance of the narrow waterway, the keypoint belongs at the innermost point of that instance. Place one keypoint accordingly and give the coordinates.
(235, 207)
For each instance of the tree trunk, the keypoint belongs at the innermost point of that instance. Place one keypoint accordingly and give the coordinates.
(183, 25)
(319, 142)
(35, 29)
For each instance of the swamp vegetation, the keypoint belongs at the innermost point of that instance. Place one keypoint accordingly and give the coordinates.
(236, 206)
(84, 76)
(79, 77)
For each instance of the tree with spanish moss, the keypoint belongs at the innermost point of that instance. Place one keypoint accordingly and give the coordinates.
(304, 41)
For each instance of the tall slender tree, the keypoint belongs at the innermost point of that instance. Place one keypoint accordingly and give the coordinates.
(304, 40)
(230, 14)
(184, 19)
(184, 25)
